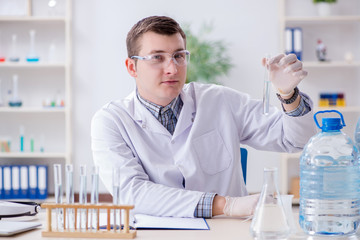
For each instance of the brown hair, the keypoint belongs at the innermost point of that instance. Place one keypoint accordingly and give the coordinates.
(157, 24)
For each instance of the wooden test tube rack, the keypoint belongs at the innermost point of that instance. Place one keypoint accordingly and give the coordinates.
(89, 233)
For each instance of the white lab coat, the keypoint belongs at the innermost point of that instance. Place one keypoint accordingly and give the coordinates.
(204, 149)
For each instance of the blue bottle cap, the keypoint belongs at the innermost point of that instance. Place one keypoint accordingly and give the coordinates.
(330, 124)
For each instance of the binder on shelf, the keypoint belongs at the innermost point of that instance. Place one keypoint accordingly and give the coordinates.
(42, 182)
(293, 41)
(24, 181)
(7, 181)
(15, 181)
(32, 181)
(1, 183)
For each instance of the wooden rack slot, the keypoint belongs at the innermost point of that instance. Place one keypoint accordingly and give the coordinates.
(125, 232)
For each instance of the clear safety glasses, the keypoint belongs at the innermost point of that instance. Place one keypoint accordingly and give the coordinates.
(162, 60)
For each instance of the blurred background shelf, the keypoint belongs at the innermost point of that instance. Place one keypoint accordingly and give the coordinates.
(339, 74)
(32, 110)
(32, 155)
(32, 65)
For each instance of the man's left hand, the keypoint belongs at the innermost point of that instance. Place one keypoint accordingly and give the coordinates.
(286, 72)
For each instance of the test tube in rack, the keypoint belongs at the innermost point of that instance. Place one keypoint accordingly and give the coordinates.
(94, 195)
(70, 213)
(58, 196)
(83, 197)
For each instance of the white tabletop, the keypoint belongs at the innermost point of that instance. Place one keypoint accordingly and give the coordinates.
(220, 228)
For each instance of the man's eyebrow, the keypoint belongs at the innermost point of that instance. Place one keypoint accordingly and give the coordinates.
(162, 51)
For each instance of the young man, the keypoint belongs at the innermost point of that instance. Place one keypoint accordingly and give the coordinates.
(177, 144)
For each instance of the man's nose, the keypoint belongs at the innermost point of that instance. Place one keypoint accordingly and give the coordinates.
(171, 66)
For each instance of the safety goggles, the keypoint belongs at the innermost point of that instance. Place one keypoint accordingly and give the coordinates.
(162, 59)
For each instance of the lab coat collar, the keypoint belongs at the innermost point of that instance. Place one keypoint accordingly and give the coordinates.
(187, 114)
(147, 121)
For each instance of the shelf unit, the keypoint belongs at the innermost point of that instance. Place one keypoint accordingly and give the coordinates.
(322, 24)
(43, 71)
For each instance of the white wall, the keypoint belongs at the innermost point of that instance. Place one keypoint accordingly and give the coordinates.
(99, 31)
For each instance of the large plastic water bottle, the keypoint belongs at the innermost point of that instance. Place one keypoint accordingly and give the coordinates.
(329, 181)
(357, 134)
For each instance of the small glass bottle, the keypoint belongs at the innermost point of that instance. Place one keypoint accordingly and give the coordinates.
(14, 57)
(14, 100)
(2, 56)
(269, 220)
(32, 56)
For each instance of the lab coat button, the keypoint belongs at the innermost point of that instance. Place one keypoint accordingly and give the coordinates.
(143, 126)
(172, 141)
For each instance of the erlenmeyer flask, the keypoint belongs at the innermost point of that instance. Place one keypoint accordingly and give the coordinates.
(269, 220)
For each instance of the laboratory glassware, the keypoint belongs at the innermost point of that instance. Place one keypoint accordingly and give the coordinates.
(32, 56)
(70, 214)
(94, 195)
(116, 194)
(21, 132)
(14, 99)
(270, 220)
(83, 196)
(287, 203)
(32, 144)
(52, 53)
(357, 134)
(1, 98)
(329, 181)
(58, 196)
(14, 57)
(2, 56)
(267, 84)
(52, 8)
(42, 143)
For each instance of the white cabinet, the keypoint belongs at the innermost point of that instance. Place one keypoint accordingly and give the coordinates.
(341, 34)
(48, 80)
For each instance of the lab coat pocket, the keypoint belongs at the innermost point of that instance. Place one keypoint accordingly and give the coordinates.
(212, 153)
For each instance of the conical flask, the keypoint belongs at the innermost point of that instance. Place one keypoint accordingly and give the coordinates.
(269, 220)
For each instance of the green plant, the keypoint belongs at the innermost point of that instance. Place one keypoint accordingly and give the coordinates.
(326, 1)
(208, 59)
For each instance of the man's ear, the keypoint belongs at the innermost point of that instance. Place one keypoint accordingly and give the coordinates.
(130, 66)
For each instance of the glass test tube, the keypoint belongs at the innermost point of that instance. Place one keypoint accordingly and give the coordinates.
(58, 196)
(42, 142)
(266, 92)
(14, 57)
(32, 144)
(22, 132)
(83, 197)
(70, 214)
(2, 55)
(116, 196)
(94, 195)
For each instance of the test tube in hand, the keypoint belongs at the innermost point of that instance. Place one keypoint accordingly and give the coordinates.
(116, 195)
(94, 196)
(267, 83)
(58, 196)
(70, 214)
